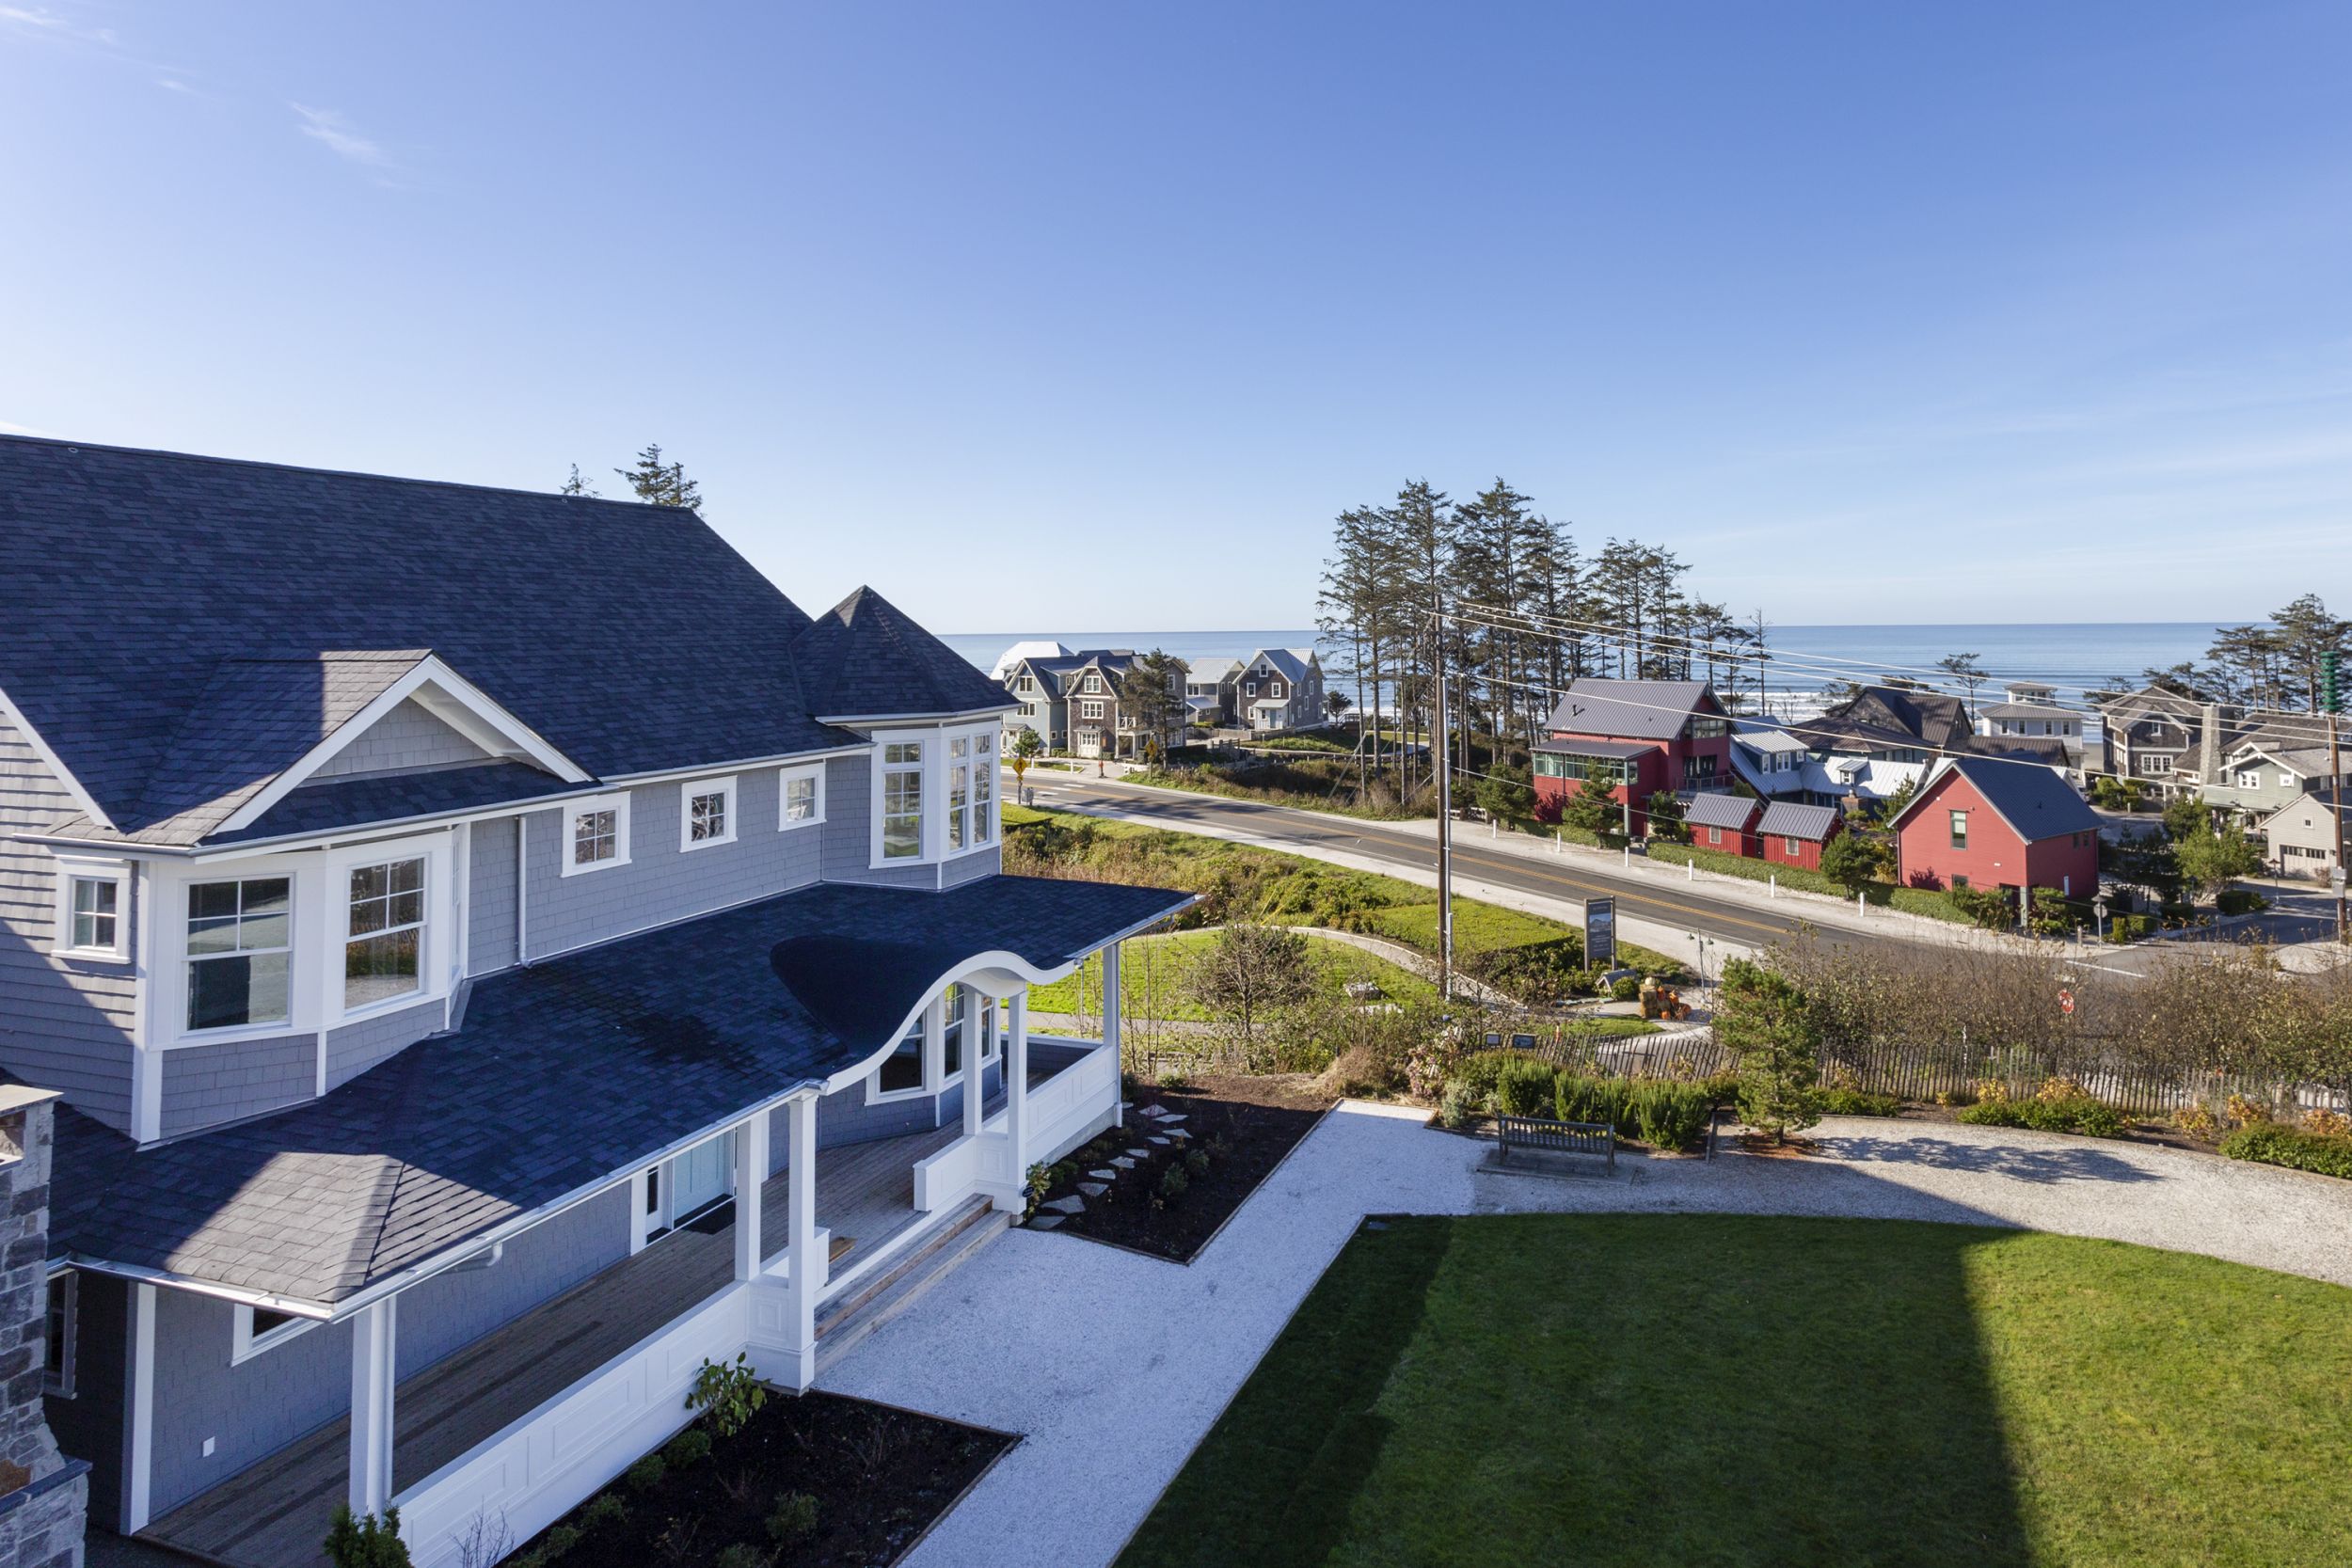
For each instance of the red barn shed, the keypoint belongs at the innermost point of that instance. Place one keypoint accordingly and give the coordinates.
(1724, 822)
(1986, 822)
(1793, 835)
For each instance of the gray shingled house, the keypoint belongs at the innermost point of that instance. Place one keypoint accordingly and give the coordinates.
(496, 952)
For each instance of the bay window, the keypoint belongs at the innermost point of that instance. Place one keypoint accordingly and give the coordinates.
(983, 788)
(934, 793)
(902, 800)
(240, 951)
(383, 949)
(958, 791)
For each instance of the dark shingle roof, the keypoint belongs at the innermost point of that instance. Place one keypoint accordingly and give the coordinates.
(1644, 710)
(563, 1074)
(369, 799)
(632, 636)
(863, 658)
(1717, 809)
(2031, 798)
(1788, 819)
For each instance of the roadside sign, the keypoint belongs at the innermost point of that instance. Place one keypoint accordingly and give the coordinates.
(1601, 933)
(2066, 1001)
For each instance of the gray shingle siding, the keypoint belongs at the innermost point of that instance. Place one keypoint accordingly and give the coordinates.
(64, 1023)
(963, 869)
(849, 818)
(406, 738)
(662, 883)
(356, 1047)
(206, 1084)
(256, 1407)
(490, 897)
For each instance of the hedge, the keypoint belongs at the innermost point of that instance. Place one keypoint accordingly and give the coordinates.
(2268, 1143)
(1932, 902)
(2074, 1113)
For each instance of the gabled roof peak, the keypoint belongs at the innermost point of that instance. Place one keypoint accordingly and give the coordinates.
(866, 658)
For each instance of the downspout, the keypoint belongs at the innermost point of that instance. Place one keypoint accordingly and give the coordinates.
(522, 888)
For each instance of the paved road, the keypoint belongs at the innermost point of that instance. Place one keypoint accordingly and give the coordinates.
(1321, 834)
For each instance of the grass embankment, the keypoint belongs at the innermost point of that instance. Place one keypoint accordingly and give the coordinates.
(1635, 1389)
(1151, 977)
(1239, 882)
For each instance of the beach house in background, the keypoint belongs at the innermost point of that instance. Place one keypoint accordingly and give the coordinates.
(1210, 688)
(1277, 688)
(1071, 700)
(1646, 735)
(1993, 823)
(483, 986)
(2301, 836)
(2248, 764)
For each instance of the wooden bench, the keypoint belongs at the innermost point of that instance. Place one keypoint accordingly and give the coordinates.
(1561, 1137)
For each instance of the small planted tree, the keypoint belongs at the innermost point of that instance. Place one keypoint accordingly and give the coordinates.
(2211, 861)
(1248, 975)
(1027, 746)
(1505, 793)
(366, 1541)
(1665, 817)
(1852, 859)
(1589, 807)
(1763, 1018)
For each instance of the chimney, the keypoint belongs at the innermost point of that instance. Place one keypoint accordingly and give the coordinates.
(2209, 745)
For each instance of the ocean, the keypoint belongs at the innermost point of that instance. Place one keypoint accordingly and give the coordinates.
(2073, 657)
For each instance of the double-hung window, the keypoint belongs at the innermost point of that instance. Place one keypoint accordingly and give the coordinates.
(596, 834)
(902, 800)
(1959, 830)
(383, 950)
(706, 813)
(240, 952)
(801, 797)
(951, 1037)
(959, 792)
(983, 788)
(93, 909)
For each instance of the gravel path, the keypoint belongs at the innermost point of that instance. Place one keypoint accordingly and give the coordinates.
(1114, 1364)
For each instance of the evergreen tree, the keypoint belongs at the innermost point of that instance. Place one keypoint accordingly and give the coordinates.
(1590, 807)
(1763, 1019)
(1151, 697)
(576, 485)
(660, 484)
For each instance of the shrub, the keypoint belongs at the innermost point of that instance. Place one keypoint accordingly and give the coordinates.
(1458, 1107)
(2068, 1113)
(367, 1542)
(2129, 927)
(2327, 1124)
(1625, 988)
(1523, 1088)
(740, 1556)
(1173, 1184)
(1197, 1160)
(602, 1506)
(1858, 1102)
(794, 1516)
(731, 1393)
(690, 1446)
(1174, 1079)
(646, 1473)
(2270, 1144)
(1478, 1071)
(1357, 1073)
(2239, 900)
(1669, 1114)
(560, 1540)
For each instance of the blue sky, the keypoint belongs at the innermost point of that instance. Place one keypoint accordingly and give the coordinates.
(1080, 315)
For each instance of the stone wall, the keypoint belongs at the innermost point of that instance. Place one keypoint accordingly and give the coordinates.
(46, 1496)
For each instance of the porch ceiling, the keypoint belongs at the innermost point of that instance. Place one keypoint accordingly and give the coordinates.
(690, 1027)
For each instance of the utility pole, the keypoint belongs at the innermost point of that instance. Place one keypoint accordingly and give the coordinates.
(2331, 698)
(1444, 761)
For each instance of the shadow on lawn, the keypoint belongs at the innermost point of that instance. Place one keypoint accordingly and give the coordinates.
(1615, 1389)
(2086, 1164)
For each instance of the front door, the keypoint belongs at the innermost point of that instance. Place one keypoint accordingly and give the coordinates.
(699, 1175)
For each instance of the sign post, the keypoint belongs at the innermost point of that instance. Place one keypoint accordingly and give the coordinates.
(1601, 933)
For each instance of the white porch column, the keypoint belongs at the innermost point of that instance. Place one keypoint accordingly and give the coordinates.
(975, 1070)
(810, 1263)
(1017, 1098)
(1110, 1019)
(372, 1375)
(751, 1174)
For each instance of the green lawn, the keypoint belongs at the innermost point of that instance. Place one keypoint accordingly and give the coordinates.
(1151, 977)
(1640, 1389)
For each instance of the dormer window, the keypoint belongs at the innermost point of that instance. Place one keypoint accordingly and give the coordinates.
(383, 951)
(1094, 683)
(240, 951)
(596, 834)
(707, 814)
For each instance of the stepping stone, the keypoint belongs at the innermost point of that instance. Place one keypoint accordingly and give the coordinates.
(1045, 1222)
(1124, 1162)
(1094, 1189)
(1180, 1135)
(1141, 1154)
(1154, 1111)
(1072, 1205)
(1169, 1118)
(1105, 1174)
(1162, 1142)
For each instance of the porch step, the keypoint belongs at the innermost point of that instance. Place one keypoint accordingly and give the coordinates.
(848, 1321)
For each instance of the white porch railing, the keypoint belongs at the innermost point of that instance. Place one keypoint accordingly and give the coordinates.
(545, 1464)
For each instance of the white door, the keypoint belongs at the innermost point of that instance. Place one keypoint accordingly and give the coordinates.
(699, 1175)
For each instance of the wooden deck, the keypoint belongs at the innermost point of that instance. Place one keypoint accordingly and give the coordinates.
(275, 1515)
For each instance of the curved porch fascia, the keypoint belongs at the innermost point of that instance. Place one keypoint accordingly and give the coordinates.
(999, 972)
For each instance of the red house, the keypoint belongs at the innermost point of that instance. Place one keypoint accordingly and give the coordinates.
(1986, 822)
(1724, 822)
(1650, 734)
(1794, 835)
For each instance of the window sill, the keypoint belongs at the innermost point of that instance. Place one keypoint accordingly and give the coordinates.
(803, 822)
(236, 1034)
(90, 955)
(570, 869)
(389, 1004)
(689, 845)
(876, 1095)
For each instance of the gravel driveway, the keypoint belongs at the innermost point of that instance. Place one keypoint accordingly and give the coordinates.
(1114, 1364)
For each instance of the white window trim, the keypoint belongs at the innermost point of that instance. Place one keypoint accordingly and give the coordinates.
(929, 1056)
(298, 906)
(434, 944)
(617, 803)
(686, 793)
(785, 778)
(936, 745)
(244, 1344)
(74, 868)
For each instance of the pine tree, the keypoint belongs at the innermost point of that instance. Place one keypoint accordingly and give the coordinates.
(576, 485)
(660, 484)
(1763, 1019)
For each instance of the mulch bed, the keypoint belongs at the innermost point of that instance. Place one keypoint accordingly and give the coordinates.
(880, 1476)
(1242, 1125)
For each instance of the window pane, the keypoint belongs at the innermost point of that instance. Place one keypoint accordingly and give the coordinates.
(92, 897)
(213, 936)
(903, 1067)
(378, 967)
(269, 930)
(211, 901)
(407, 876)
(367, 881)
(407, 909)
(367, 914)
(224, 992)
(265, 896)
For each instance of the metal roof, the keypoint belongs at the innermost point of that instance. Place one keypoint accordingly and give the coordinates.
(1718, 809)
(2035, 802)
(1787, 819)
(1646, 710)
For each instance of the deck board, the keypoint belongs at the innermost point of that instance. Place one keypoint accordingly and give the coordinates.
(275, 1513)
